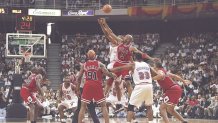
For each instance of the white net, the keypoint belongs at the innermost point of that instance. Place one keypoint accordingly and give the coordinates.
(27, 57)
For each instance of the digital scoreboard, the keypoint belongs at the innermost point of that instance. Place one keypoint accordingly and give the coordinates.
(25, 22)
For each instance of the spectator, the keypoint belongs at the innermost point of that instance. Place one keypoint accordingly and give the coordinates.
(212, 110)
(2, 105)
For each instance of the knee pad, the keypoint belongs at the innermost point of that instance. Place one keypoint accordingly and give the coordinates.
(127, 77)
(130, 108)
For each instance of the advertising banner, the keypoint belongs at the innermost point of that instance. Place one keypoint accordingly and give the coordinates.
(44, 12)
(78, 13)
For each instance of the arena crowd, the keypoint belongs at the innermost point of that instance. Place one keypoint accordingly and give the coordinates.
(193, 56)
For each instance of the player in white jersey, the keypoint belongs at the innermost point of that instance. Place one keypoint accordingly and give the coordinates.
(143, 91)
(112, 55)
(67, 97)
(113, 42)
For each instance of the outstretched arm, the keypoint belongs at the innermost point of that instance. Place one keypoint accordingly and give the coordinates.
(153, 72)
(106, 72)
(103, 28)
(176, 77)
(109, 31)
(129, 66)
(146, 56)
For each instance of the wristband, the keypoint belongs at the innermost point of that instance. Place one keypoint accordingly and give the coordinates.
(144, 56)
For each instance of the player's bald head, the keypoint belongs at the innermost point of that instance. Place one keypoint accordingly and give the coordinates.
(128, 38)
(91, 54)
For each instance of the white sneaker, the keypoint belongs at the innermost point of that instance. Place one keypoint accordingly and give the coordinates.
(135, 121)
(63, 120)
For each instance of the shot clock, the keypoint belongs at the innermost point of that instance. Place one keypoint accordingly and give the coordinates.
(25, 22)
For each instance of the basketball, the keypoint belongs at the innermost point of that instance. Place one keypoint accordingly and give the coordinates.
(91, 54)
(107, 8)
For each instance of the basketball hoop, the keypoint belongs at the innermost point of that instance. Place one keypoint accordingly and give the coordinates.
(27, 57)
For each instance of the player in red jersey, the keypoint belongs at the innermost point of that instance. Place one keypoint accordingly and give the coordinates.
(172, 92)
(124, 55)
(113, 43)
(93, 89)
(29, 90)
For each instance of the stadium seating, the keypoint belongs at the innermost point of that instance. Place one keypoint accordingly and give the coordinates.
(74, 48)
(194, 57)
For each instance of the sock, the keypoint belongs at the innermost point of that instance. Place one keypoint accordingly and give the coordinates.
(135, 121)
(62, 120)
(150, 121)
(119, 102)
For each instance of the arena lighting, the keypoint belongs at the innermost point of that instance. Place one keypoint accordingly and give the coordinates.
(49, 40)
(49, 31)
(49, 28)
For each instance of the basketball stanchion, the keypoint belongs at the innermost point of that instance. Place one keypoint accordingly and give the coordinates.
(29, 46)
(16, 109)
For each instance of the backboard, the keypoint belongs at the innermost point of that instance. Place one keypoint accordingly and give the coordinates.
(17, 44)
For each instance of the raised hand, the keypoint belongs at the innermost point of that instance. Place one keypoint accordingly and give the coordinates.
(103, 20)
(99, 21)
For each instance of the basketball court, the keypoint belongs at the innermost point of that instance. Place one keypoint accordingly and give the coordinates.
(112, 120)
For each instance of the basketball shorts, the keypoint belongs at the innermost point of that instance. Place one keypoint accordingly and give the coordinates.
(27, 96)
(140, 94)
(69, 103)
(172, 95)
(124, 73)
(93, 91)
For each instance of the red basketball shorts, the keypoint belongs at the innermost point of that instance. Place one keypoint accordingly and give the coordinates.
(92, 90)
(172, 95)
(27, 96)
(123, 73)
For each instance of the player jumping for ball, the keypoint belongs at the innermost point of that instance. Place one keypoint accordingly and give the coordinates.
(124, 56)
